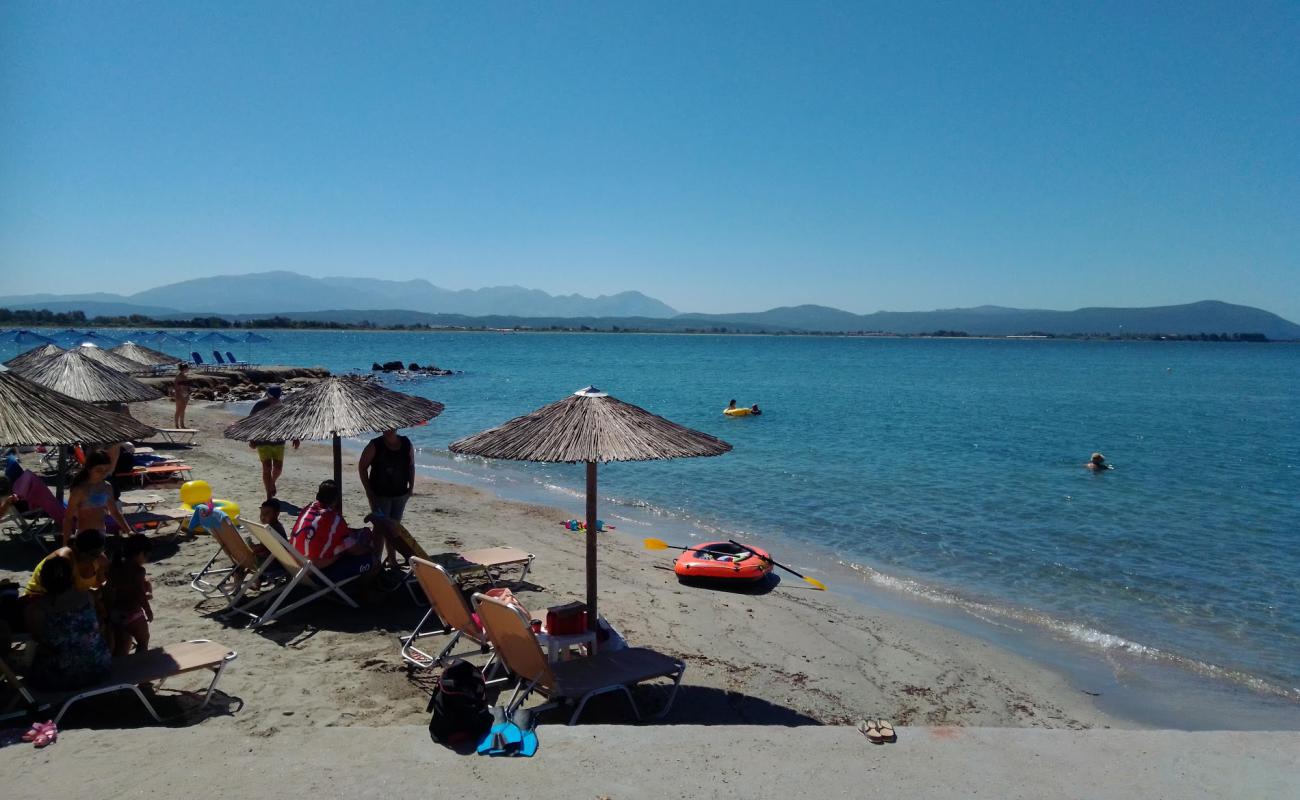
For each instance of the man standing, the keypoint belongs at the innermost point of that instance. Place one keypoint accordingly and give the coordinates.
(270, 453)
(387, 469)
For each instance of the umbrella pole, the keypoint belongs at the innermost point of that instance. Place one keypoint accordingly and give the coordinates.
(591, 545)
(338, 470)
(63, 452)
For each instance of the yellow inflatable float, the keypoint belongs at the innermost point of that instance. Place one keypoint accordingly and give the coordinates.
(737, 412)
(195, 492)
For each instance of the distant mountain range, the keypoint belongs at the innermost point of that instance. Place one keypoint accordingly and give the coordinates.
(355, 300)
(279, 292)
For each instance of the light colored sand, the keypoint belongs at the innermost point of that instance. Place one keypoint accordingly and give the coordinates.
(791, 657)
(665, 761)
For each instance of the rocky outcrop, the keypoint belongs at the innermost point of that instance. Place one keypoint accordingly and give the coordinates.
(412, 369)
(242, 383)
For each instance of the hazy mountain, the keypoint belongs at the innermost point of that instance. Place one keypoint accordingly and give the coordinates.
(277, 292)
(1209, 316)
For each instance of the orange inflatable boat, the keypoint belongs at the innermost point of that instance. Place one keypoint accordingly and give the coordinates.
(723, 561)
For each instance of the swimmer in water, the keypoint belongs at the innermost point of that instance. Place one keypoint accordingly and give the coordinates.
(1098, 463)
(731, 406)
(90, 501)
(754, 410)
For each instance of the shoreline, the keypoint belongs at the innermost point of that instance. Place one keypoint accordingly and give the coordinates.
(792, 656)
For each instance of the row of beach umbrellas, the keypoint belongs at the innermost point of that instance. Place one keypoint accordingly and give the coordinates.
(49, 402)
(73, 337)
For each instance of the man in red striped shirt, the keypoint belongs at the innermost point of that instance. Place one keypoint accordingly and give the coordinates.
(323, 536)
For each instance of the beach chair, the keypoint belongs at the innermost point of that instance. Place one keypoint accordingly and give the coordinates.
(297, 570)
(449, 613)
(198, 359)
(129, 673)
(569, 682)
(178, 435)
(216, 357)
(32, 526)
(166, 471)
(229, 582)
(230, 359)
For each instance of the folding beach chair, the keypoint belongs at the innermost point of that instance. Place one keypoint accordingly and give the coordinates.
(198, 359)
(449, 614)
(31, 526)
(129, 673)
(230, 359)
(216, 357)
(229, 582)
(575, 681)
(297, 569)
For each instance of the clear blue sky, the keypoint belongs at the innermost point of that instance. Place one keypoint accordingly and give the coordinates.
(721, 157)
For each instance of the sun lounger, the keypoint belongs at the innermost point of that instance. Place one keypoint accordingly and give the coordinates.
(32, 526)
(297, 569)
(449, 614)
(178, 435)
(229, 582)
(158, 472)
(487, 564)
(129, 673)
(157, 521)
(198, 359)
(575, 681)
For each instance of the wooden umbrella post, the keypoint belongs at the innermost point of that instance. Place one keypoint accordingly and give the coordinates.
(63, 454)
(591, 545)
(338, 470)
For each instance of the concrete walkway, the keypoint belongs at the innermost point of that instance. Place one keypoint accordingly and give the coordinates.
(667, 761)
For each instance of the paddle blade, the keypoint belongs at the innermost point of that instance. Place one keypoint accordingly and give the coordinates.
(655, 544)
(815, 583)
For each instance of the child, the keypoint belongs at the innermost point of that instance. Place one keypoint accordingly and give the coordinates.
(129, 593)
(270, 516)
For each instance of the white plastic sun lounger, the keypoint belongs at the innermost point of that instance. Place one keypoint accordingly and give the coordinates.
(129, 673)
(299, 571)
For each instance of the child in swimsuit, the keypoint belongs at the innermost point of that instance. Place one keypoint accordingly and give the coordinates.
(128, 594)
(91, 501)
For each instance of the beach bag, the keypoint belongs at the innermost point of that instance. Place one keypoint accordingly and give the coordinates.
(459, 705)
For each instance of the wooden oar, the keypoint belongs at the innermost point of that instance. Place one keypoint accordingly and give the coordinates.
(660, 544)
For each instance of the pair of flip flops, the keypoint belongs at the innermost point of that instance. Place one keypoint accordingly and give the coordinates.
(877, 731)
(42, 734)
(509, 737)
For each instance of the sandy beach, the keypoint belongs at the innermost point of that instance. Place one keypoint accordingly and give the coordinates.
(758, 665)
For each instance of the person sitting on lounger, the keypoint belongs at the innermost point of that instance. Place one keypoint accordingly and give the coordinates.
(91, 502)
(323, 536)
(70, 649)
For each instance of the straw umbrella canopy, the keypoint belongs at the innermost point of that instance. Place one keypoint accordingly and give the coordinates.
(592, 427)
(76, 374)
(333, 408)
(34, 356)
(32, 414)
(142, 354)
(108, 358)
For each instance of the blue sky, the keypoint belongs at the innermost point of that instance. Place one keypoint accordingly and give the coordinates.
(721, 157)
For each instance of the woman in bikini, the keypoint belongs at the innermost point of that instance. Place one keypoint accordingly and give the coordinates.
(181, 394)
(91, 502)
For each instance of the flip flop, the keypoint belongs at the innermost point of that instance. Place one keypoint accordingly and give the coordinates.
(871, 730)
(887, 732)
(49, 735)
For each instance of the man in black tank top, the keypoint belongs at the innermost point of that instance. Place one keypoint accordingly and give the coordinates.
(387, 468)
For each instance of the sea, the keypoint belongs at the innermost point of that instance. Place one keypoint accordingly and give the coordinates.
(941, 478)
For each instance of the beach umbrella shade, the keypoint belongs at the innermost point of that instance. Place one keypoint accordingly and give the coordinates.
(76, 374)
(96, 338)
(333, 408)
(216, 336)
(590, 427)
(32, 414)
(28, 337)
(33, 356)
(142, 354)
(253, 337)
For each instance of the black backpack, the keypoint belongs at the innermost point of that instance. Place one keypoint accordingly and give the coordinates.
(459, 705)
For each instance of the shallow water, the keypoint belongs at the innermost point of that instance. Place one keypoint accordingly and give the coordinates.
(951, 470)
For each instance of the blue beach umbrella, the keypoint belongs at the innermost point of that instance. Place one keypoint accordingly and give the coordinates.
(253, 337)
(216, 336)
(28, 337)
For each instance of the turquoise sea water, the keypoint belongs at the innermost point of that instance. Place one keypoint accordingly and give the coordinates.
(950, 469)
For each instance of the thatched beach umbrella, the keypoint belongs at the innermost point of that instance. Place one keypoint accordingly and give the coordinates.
(334, 408)
(591, 427)
(76, 374)
(32, 414)
(143, 355)
(34, 356)
(110, 359)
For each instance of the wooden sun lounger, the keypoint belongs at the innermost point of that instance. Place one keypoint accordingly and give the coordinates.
(178, 435)
(128, 673)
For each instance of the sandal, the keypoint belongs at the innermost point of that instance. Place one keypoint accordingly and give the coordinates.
(887, 732)
(871, 730)
(49, 735)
